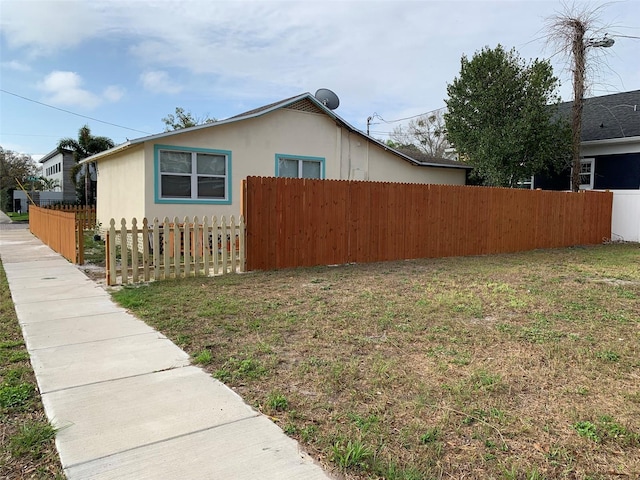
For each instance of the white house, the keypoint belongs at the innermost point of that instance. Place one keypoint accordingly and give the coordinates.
(198, 170)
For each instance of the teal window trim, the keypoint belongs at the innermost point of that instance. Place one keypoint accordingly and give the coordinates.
(205, 201)
(320, 160)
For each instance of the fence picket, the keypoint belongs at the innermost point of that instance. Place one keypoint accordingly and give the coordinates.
(134, 250)
(145, 250)
(124, 253)
(206, 256)
(215, 244)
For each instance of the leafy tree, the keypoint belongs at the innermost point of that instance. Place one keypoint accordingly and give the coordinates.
(84, 146)
(426, 133)
(14, 167)
(502, 117)
(183, 119)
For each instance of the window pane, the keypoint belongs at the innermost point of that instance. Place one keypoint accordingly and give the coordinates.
(175, 162)
(288, 168)
(211, 164)
(211, 187)
(310, 169)
(176, 186)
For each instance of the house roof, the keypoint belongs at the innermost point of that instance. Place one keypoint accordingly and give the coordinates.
(305, 102)
(52, 154)
(609, 116)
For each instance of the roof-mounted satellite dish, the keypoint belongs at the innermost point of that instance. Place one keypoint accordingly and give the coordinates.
(328, 98)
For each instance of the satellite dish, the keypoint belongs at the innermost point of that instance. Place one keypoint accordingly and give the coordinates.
(328, 98)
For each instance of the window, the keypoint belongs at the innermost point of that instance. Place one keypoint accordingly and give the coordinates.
(299, 167)
(192, 175)
(587, 170)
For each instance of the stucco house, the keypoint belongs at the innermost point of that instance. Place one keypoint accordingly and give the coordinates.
(610, 147)
(198, 170)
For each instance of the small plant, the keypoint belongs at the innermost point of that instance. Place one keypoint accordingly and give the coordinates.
(14, 396)
(430, 436)
(587, 430)
(362, 423)
(354, 454)
(277, 402)
(31, 438)
(608, 356)
(203, 358)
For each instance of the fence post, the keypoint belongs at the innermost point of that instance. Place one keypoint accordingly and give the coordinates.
(241, 234)
(111, 253)
(79, 243)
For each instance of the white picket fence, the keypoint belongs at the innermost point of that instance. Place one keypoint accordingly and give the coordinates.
(173, 249)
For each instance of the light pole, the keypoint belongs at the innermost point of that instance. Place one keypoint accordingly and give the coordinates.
(579, 47)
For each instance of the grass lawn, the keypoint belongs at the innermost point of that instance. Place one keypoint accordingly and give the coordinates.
(519, 366)
(18, 217)
(27, 448)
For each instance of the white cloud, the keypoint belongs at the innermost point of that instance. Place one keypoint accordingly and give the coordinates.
(113, 93)
(159, 82)
(44, 25)
(65, 88)
(16, 66)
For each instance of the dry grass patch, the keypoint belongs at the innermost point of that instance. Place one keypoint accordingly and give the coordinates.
(512, 366)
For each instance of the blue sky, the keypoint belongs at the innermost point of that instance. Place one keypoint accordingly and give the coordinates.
(131, 62)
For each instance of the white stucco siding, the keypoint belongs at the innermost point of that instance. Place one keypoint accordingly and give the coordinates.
(121, 186)
(387, 167)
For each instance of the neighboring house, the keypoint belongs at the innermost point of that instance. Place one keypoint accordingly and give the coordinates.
(56, 166)
(610, 158)
(610, 148)
(198, 170)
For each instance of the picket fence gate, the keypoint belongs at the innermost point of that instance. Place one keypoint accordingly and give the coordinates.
(173, 249)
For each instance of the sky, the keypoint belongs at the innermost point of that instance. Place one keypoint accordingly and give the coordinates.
(126, 64)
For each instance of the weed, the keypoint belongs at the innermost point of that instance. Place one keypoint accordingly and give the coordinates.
(203, 358)
(608, 356)
(430, 436)
(31, 438)
(14, 396)
(587, 430)
(353, 454)
(277, 401)
(363, 423)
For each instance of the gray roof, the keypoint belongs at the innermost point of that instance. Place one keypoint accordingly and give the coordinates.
(316, 106)
(53, 153)
(609, 116)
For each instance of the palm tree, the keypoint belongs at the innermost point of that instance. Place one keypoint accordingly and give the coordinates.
(85, 146)
(48, 184)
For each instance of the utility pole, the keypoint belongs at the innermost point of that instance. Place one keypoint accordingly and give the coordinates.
(578, 50)
(567, 32)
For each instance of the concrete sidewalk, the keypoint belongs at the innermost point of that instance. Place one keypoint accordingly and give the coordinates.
(127, 400)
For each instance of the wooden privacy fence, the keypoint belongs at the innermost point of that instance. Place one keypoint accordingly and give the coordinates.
(173, 249)
(62, 230)
(302, 222)
(84, 214)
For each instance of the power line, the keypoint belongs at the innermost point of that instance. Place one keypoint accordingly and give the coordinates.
(73, 113)
(376, 115)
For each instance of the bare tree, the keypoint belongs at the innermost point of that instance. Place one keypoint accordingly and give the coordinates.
(575, 33)
(426, 133)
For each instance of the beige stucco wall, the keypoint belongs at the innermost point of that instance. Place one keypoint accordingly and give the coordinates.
(383, 170)
(121, 185)
(253, 145)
